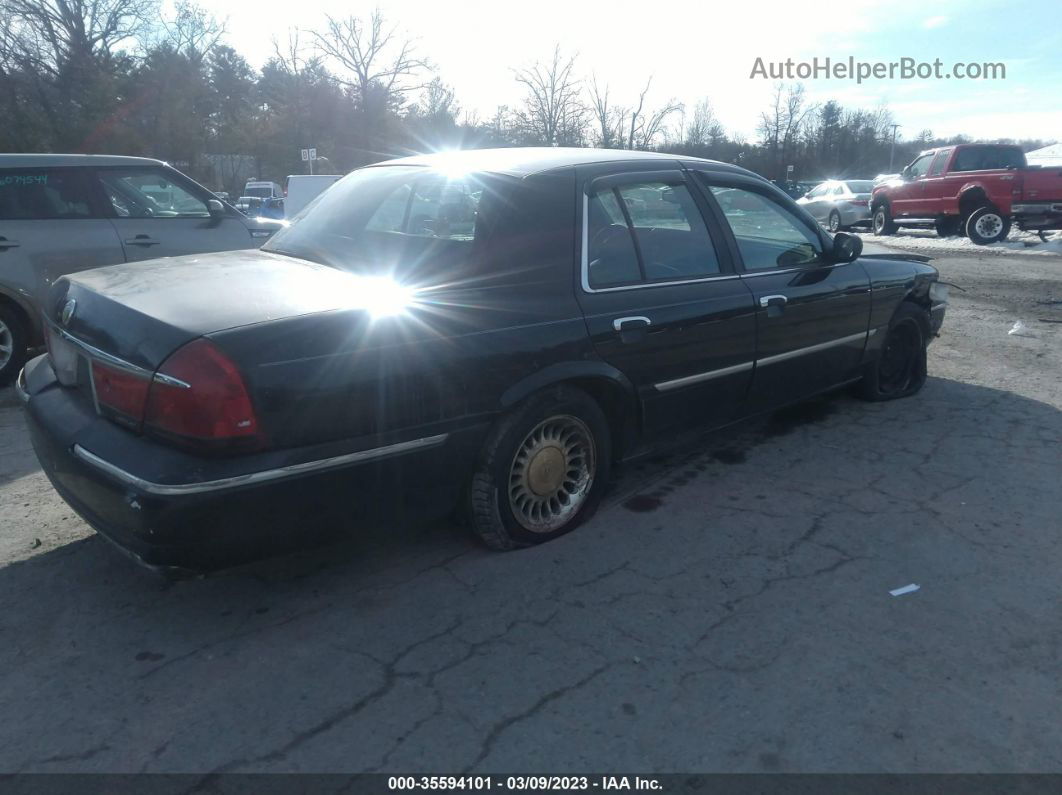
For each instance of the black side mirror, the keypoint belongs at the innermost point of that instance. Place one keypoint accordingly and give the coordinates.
(846, 247)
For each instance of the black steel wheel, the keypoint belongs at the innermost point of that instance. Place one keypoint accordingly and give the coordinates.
(900, 368)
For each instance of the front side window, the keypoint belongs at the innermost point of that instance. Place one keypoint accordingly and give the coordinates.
(819, 190)
(43, 194)
(939, 162)
(646, 231)
(149, 193)
(768, 235)
(920, 166)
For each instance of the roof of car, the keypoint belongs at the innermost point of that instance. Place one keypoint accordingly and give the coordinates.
(526, 160)
(42, 160)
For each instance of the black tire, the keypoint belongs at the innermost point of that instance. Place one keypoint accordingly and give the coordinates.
(987, 225)
(882, 222)
(834, 222)
(501, 502)
(947, 226)
(900, 369)
(14, 341)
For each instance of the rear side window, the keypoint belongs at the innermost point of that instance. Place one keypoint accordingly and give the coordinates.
(983, 158)
(44, 194)
(646, 232)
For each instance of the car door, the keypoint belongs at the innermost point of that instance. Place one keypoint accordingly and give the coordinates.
(908, 199)
(811, 314)
(815, 201)
(660, 297)
(50, 225)
(934, 185)
(158, 213)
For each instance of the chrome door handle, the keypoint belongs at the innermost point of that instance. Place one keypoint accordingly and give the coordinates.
(773, 300)
(619, 323)
(5, 243)
(142, 240)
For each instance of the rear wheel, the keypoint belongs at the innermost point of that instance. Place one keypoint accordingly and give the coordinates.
(987, 225)
(542, 470)
(13, 343)
(835, 221)
(900, 369)
(882, 222)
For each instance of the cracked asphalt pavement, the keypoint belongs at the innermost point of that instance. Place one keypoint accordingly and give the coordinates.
(728, 609)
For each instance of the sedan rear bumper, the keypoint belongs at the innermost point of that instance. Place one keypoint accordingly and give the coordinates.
(206, 514)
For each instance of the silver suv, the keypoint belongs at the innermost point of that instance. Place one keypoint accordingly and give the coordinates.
(66, 213)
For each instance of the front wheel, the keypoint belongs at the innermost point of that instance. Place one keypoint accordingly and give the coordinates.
(987, 225)
(14, 342)
(900, 369)
(882, 222)
(542, 470)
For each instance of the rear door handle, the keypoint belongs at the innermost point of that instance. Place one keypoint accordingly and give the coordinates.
(629, 323)
(142, 240)
(5, 243)
(774, 304)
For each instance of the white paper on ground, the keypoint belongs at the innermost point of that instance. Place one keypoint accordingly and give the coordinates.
(906, 589)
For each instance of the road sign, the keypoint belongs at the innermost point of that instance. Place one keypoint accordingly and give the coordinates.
(305, 155)
(313, 154)
(789, 169)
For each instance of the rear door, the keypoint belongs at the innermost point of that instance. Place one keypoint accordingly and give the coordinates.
(660, 297)
(158, 213)
(811, 315)
(50, 225)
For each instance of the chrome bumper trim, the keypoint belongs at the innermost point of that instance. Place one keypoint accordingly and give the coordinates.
(20, 386)
(253, 478)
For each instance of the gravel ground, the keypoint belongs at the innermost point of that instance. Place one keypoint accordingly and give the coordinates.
(728, 609)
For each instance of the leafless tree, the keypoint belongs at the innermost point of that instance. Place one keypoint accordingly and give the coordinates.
(376, 58)
(553, 111)
(607, 117)
(704, 129)
(50, 35)
(643, 126)
(781, 123)
(193, 31)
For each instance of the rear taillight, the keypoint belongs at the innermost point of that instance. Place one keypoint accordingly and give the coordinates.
(198, 397)
(120, 394)
(858, 202)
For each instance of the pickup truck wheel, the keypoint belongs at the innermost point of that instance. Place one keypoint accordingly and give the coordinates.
(835, 222)
(900, 369)
(542, 470)
(987, 225)
(13, 344)
(882, 222)
(947, 226)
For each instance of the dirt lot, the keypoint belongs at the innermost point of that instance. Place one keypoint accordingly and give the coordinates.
(728, 610)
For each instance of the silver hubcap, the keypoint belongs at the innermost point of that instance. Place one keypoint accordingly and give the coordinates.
(7, 344)
(879, 221)
(988, 225)
(551, 474)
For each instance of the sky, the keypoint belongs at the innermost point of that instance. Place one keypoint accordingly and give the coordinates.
(696, 49)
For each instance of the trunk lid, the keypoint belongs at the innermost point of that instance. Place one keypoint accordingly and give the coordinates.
(141, 312)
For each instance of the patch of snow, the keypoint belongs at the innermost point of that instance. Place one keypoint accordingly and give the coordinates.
(926, 239)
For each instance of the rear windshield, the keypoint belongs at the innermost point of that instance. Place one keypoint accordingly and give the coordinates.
(389, 219)
(860, 185)
(264, 191)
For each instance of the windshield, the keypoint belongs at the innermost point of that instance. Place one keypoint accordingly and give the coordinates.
(263, 191)
(385, 219)
(860, 185)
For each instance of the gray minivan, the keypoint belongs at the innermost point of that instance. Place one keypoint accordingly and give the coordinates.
(65, 213)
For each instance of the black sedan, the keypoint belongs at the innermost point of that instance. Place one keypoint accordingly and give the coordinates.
(481, 330)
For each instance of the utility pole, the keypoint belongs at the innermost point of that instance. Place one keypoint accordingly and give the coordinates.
(892, 146)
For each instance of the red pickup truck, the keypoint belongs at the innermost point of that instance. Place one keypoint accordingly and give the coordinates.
(972, 189)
